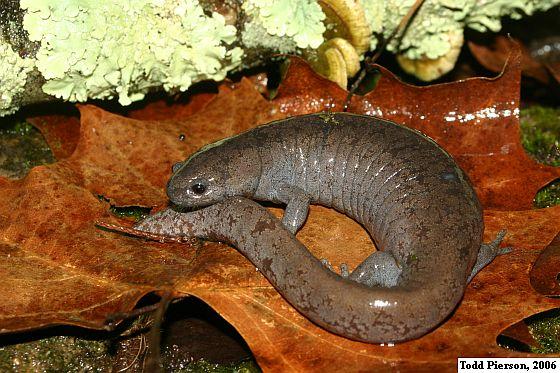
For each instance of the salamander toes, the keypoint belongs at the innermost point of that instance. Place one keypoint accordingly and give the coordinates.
(488, 252)
(379, 269)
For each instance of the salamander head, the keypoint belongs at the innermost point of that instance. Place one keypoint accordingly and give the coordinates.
(215, 172)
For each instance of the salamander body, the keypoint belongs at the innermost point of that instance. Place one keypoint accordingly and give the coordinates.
(416, 203)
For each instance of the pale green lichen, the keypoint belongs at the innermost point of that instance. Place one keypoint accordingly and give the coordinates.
(255, 36)
(486, 15)
(428, 35)
(375, 14)
(103, 49)
(13, 76)
(299, 20)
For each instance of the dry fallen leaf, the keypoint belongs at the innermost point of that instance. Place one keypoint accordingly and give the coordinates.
(545, 274)
(494, 53)
(61, 132)
(58, 268)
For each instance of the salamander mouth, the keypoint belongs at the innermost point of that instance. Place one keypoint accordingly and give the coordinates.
(184, 209)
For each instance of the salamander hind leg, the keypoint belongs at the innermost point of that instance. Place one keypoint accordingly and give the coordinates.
(379, 269)
(297, 207)
(487, 253)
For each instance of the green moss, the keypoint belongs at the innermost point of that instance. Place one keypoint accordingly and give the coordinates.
(19, 129)
(22, 147)
(132, 212)
(127, 212)
(56, 354)
(548, 196)
(540, 129)
(202, 366)
(103, 49)
(75, 354)
(546, 331)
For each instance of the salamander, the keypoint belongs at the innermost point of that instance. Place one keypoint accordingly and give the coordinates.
(418, 206)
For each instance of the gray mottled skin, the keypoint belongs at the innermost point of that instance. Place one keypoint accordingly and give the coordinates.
(409, 194)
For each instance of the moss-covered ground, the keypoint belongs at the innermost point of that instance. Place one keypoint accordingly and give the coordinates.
(540, 135)
(57, 354)
(21, 147)
(546, 331)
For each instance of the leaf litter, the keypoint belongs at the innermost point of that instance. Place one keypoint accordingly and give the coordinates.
(58, 268)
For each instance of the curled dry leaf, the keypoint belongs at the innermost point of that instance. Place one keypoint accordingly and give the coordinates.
(554, 69)
(60, 131)
(545, 274)
(493, 56)
(520, 332)
(58, 268)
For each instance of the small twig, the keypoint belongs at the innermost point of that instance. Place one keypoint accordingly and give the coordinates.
(152, 363)
(141, 348)
(147, 235)
(401, 28)
(118, 316)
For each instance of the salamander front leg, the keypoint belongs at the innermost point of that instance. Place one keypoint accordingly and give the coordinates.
(297, 207)
(343, 268)
(487, 253)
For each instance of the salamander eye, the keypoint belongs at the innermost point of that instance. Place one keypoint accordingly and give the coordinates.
(176, 167)
(198, 188)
